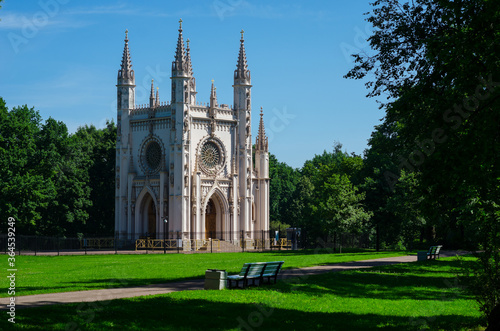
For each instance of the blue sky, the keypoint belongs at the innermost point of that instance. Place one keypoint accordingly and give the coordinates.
(62, 57)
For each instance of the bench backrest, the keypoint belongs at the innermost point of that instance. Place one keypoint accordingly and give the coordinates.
(435, 249)
(273, 268)
(255, 269)
(259, 268)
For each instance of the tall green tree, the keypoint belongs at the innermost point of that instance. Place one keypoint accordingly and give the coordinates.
(437, 62)
(281, 189)
(101, 174)
(25, 192)
(333, 202)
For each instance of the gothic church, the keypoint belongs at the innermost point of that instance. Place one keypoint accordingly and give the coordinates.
(187, 167)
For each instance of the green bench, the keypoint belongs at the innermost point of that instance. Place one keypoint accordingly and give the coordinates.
(434, 252)
(256, 271)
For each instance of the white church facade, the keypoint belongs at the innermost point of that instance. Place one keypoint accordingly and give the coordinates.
(187, 167)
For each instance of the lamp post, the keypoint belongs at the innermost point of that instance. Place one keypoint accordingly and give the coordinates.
(165, 222)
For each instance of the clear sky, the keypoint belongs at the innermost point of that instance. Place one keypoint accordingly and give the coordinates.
(62, 57)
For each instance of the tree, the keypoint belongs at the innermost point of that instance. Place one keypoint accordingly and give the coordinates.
(437, 63)
(54, 183)
(25, 192)
(101, 174)
(281, 189)
(404, 204)
(339, 203)
(329, 196)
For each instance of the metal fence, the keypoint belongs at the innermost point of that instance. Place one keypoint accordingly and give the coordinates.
(177, 242)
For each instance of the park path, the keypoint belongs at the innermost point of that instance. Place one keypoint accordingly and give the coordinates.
(195, 284)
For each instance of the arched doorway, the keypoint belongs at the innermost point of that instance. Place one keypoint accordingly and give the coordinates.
(216, 216)
(151, 220)
(210, 220)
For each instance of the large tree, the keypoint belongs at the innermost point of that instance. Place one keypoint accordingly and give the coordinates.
(281, 189)
(55, 183)
(438, 64)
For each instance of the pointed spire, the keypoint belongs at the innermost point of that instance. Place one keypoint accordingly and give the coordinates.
(242, 74)
(157, 97)
(261, 143)
(152, 95)
(213, 96)
(180, 64)
(126, 72)
(188, 59)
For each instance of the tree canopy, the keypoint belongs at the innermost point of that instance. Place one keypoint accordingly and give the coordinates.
(437, 62)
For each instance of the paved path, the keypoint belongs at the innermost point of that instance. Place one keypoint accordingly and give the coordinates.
(196, 284)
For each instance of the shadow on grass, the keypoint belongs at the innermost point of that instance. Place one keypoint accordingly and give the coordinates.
(320, 251)
(430, 280)
(357, 284)
(166, 313)
(100, 284)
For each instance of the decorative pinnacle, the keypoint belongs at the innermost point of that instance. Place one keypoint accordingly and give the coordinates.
(242, 74)
(188, 59)
(180, 62)
(262, 142)
(126, 71)
(213, 96)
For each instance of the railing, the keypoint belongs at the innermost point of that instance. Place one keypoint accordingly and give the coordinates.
(186, 244)
(97, 243)
(180, 242)
(211, 244)
(153, 244)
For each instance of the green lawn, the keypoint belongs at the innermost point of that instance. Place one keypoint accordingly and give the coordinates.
(49, 274)
(411, 296)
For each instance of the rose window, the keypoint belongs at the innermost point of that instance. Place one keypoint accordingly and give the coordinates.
(210, 155)
(153, 156)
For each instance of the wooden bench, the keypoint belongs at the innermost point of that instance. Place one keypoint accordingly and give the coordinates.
(256, 271)
(434, 252)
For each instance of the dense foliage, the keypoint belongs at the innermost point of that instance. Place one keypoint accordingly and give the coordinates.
(55, 183)
(438, 64)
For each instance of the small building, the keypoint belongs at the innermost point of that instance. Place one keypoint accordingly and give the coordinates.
(187, 162)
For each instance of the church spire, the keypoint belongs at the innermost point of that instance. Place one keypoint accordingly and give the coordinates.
(157, 97)
(213, 96)
(188, 59)
(242, 74)
(261, 143)
(126, 72)
(152, 95)
(180, 64)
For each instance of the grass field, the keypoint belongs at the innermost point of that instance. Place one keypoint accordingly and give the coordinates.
(414, 296)
(50, 274)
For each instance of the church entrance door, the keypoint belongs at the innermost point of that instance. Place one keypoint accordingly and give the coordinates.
(210, 220)
(151, 220)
